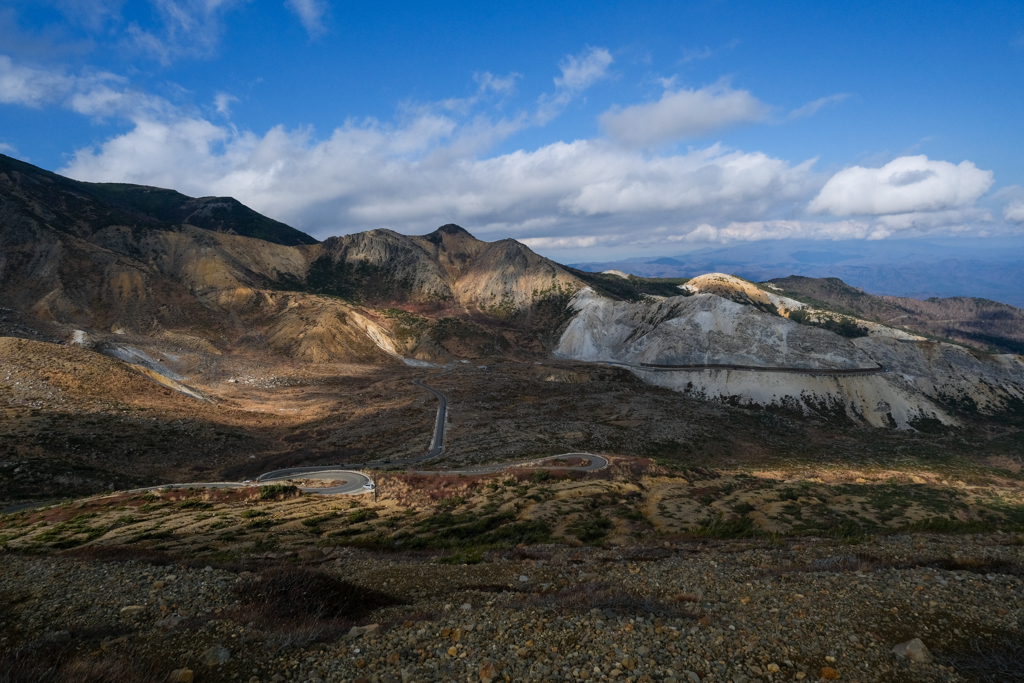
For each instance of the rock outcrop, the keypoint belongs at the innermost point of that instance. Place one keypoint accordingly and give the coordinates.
(707, 329)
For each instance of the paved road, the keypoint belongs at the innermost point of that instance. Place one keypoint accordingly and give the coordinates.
(355, 482)
(658, 367)
(596, 462)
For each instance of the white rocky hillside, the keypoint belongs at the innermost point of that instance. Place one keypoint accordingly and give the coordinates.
(707, 328)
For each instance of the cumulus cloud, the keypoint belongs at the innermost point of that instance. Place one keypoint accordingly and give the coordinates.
(311, 13)
(904, 185)
(681, 114)
(370, 174)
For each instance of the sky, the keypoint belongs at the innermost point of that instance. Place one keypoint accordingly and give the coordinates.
(588, 130)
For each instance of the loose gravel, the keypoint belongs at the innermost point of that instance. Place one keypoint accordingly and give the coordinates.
(745, 612)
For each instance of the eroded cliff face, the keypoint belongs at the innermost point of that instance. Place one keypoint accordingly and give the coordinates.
(708, 329)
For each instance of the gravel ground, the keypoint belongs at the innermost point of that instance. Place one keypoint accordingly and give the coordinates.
(718, 611)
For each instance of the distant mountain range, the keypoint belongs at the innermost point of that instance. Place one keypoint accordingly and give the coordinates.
(908, 268)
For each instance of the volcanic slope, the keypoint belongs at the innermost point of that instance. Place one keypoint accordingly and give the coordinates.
(147, 262)
(920, 381)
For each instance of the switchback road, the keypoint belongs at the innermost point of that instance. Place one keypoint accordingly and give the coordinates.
(357, 481)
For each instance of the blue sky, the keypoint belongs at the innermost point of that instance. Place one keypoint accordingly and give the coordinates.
(589, 130)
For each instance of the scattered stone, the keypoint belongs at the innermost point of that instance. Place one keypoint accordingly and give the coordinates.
(358, 631)
(132, 611)
(488, 672)
(524, 578)
(181, 676)
(914, 650)
(216, 655)
(828, 673)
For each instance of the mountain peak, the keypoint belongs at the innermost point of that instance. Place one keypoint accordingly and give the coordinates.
(451, 230)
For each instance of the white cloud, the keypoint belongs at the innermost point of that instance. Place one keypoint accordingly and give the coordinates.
(582, 71)
(811, 108)
(681, 114)
(1014, 211)
(368, 175)
(574, 242)
(98, 94)
(757, 231)
(429, 167)
(904, 185)
(186, 28)
(311, 13)
(222, 103)
(579, 72)
(30, 86)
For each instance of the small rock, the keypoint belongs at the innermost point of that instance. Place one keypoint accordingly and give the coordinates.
(828, 673)
(181, 676)
(157, 585)
(453, 652)
(357, 631)
(524, 578)
(456, 635)
(466, 607)
(692, 677)
(216, 655)
(914, 650)
(773, 668)
(488, 672)
(132, 611)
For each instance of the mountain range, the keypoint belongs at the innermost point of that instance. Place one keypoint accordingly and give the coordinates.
(136, 271)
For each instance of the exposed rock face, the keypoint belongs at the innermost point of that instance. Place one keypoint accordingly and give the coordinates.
(703, 328)
(707, 329)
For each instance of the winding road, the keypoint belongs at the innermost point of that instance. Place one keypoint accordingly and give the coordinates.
(659, 367)
(357, 481)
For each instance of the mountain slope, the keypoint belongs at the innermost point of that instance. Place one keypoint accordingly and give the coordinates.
(82, 208)
(106, 258)
(981, 323)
